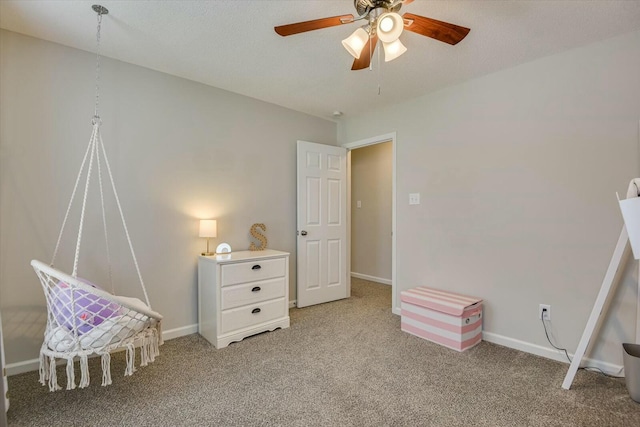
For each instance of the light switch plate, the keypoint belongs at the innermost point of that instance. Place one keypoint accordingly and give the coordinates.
(359, 203)
(414, 198)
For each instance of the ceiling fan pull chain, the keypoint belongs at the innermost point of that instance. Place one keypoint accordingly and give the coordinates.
(371, 45)
(100, 11)
(379, 74)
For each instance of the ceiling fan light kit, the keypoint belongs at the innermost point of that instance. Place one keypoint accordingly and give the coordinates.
(393, 50)
(356, 42)
(386, 24)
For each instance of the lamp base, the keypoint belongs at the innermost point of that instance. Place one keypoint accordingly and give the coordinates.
(207, 253)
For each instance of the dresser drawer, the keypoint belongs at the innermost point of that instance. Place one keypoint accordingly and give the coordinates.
(250, 293)
(254, 314)
(251, 271)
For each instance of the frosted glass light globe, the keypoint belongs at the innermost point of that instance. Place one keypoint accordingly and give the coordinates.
(390, 26)
(386, 24)
(356, 42)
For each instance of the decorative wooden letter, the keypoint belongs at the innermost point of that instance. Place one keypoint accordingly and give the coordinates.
(259, 236)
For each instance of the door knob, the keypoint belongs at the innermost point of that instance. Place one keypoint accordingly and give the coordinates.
(304, 233)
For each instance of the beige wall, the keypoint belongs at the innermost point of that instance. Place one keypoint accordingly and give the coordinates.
(371, 184)
(518, 172)
(179, 151)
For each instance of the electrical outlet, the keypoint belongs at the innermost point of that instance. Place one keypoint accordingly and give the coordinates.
(544, 312)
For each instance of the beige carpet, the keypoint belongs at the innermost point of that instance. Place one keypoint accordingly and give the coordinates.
(344, 363)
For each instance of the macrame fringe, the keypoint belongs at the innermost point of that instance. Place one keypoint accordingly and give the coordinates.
(159, 332)
(144, 351)
(155, 350)
(106, 369)
(53, 378)
(131, 355)
(71, 376)
(149, 350)
(84, 371)
(44, 369)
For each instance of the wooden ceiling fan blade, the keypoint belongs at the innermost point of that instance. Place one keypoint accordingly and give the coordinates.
(366, 55)
(439, 30)
(315, 24)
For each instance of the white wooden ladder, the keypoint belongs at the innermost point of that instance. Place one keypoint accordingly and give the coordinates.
(608, 283)
(596, 313)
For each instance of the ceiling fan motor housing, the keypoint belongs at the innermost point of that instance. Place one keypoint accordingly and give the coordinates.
(364, 7)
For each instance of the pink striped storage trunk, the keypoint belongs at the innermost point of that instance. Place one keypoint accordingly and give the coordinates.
(446, 318)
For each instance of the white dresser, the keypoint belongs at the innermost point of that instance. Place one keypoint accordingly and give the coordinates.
(241, 294)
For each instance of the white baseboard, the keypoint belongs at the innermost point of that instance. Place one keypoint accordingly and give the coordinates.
(21, 367)
(371, 278)
(550, 353)
(179, 332)
(292, 304)
(34, 364)
(396, 310)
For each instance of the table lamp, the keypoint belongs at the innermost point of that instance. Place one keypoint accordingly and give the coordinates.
(208, 229)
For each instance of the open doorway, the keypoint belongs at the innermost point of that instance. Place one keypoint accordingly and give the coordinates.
(371, 210)
(371, 173)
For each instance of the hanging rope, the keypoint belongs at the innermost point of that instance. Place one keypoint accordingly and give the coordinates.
(73, 195)
(96, 117)
(104, 222)
(95, 120)
(84, 202)
(124, 223)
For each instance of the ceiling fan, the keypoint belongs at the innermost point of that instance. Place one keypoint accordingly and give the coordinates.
(382, 23)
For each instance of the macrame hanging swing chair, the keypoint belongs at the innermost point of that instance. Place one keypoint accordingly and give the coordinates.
(82, 319)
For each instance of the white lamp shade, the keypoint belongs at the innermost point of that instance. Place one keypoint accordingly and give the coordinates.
(630, 208)
(356, 42)
(390, 26)
(631, 213)
(393, 50)
(208, 228)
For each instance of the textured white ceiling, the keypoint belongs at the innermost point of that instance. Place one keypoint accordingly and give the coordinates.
(232, 45)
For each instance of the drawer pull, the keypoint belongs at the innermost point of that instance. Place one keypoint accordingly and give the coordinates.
(256, 289)
(256, 267)
(255, 311)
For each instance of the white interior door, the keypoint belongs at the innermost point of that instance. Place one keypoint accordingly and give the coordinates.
(322, 223)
